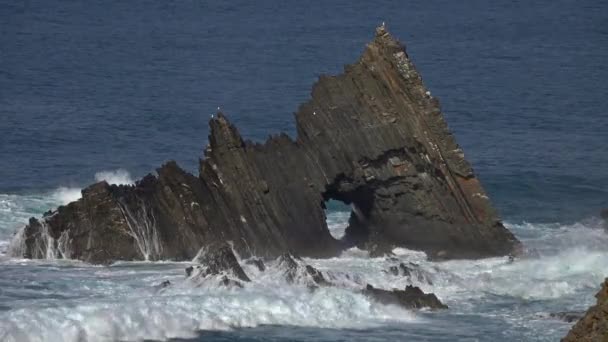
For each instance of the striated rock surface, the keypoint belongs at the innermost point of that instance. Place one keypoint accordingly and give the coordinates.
(372, 137)
(593, 327)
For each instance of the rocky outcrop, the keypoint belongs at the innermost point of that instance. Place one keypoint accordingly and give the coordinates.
(411, 298)
(373, 137)
(296, 271)
(593, 327)
(218, 261)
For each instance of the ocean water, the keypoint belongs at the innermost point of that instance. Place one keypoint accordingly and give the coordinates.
(108, 90)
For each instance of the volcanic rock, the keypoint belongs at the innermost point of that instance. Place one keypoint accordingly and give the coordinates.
(411, 298)
(593, 327)
(372, 137)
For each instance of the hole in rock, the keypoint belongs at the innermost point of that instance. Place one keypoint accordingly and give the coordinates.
(336, 216)
(347, 211)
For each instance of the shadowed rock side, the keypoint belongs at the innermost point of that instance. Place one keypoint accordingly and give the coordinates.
(372, 137)
(593, 327)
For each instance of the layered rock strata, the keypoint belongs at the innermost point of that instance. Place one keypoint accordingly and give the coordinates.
(373, 137)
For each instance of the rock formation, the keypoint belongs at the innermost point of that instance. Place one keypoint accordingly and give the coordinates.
(372, 137)
(218, 261)
(411, 298)
(296, 271)
(593, 327)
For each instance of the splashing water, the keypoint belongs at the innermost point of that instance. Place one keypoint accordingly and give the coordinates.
(118, 177)
(142, 227)
(44, 245)
(64, 300)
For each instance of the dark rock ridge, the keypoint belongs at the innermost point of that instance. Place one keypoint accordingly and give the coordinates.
(372, 137)
(296, 271)
(593, 327)
(218, 261)
(412, 297)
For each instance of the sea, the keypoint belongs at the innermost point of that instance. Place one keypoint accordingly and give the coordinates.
(109, 90)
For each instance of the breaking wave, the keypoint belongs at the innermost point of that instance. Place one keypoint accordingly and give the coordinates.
(72, 301)
(16, 209)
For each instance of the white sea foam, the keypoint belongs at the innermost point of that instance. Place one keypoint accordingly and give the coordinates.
(118, 177)
(561, 270)
(337, 222)
(182, 309)
(16, 209)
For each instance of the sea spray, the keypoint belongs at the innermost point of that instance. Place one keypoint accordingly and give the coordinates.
(64, 195)
(118, 177)
(142, 227)
(121, 302)
(17, 246)
(44, 245)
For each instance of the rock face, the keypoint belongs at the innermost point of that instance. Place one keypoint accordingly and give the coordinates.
(593, 327)
(372, 137)
(410, 298)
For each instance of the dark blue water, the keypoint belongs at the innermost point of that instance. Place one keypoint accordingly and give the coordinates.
(87, 86)
(105, 85)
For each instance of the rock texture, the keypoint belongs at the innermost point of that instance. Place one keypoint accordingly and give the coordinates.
(218, 261)
(593, 327)
(296, 271)
(411, 298)
(372, 137)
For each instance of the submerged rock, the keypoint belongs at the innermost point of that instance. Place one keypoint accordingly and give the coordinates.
(412, 297)
(372, 137)
(227, 282)
(593, 326)
(162, 285)
(412, 271)
(567, 316)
